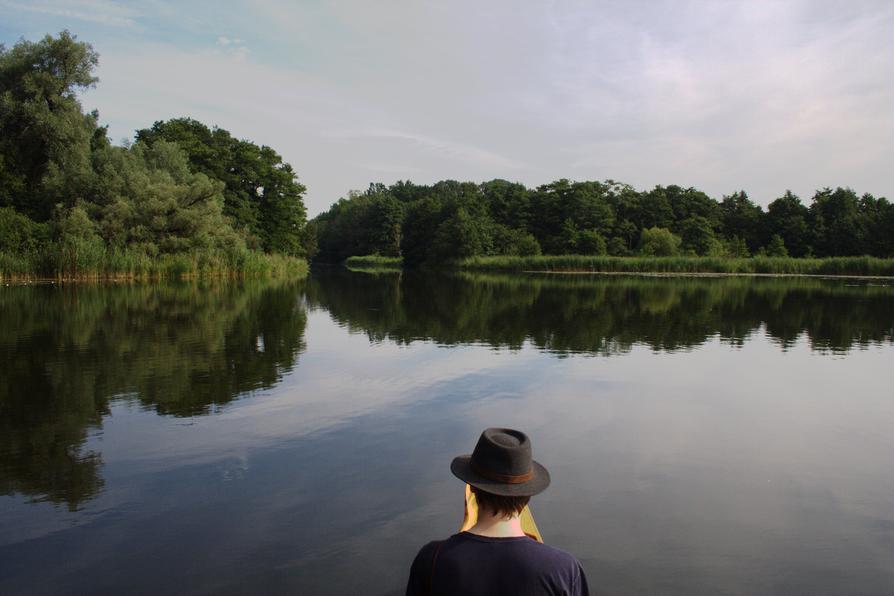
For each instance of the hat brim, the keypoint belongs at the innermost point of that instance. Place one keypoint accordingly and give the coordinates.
(462, 469)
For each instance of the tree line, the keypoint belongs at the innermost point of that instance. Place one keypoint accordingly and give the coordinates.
(451, 220)
(69, 197)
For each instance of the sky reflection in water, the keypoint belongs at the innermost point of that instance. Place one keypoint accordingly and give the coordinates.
(736, 438)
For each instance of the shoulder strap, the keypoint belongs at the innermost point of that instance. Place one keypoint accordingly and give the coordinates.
(434, 559)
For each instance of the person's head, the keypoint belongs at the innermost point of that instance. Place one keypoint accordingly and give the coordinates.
(500, 505)
(501, 471)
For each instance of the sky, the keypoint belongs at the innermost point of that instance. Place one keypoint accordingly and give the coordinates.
(722, 95)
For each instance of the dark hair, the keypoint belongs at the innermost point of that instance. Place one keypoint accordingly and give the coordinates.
(498, 504)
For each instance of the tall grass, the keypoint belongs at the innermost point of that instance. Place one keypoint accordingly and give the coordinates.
(99, 263)
(863, 266)
(373, 262)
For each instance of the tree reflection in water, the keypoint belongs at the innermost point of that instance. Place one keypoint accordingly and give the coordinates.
(179, 349)
(605, 314)
(187, 349)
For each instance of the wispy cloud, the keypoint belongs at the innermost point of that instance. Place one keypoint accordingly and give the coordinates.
(233, 46)
(721, 95)
(443, 148)
(225, 41)
(95, 11)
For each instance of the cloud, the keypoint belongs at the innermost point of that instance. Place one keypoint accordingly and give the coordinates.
(95, 11)
(228, 41)
(763, 96)
(443, 148)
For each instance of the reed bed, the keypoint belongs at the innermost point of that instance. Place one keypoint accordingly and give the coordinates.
(853, 266)
(105, 264)
(373, 262)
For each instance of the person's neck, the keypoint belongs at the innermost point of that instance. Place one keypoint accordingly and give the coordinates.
(494, 526)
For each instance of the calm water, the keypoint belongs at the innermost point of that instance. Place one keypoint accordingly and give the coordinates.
(704, 436)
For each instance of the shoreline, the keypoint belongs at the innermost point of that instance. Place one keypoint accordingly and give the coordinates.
(298, 269)
(862, 267)
(688, 274)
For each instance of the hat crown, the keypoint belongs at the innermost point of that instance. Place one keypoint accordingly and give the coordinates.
(504, 452)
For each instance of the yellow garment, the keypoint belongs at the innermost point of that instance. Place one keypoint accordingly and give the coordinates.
(471, 517)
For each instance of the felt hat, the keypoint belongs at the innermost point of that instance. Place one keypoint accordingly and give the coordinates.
(501, 464)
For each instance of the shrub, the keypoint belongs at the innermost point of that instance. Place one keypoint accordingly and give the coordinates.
(591, 242)
(659, 242)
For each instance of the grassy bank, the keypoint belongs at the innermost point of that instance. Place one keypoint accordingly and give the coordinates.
(374, 262)
(107, 264)
(865, 266)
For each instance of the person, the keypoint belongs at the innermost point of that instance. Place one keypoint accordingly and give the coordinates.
(495, 556)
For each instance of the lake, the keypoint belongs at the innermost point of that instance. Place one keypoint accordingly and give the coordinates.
(704, 435)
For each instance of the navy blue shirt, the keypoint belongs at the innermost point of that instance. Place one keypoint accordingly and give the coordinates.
(475, 565)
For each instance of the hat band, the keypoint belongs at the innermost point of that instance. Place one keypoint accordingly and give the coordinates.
(505, 478)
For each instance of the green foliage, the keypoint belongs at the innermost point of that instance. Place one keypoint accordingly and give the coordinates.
(19, 234)
(509, 241)
(84, 260)
(151, 201)
(566, 217)
(838, 226)
(79, 247)
(73, 205)
(787, 218)
(508, 203)
(659, 242)
(373, 262)
(737, 248)
(617, 247)
(776, 247)
(458, 237)
(385, 217)
(45, 138)
(421, 223)
(591, 242)
(697, 235)
(743, 220)
(367, 223)
(857, 266)
(261, 194)
(562, 208)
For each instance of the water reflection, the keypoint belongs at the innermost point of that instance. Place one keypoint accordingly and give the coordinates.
(605, 315)
(180, 350)
(724, 452)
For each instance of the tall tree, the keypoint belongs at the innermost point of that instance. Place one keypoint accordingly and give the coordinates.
(420, 225)
(507, 202)
(837, 225)
(262, 196)
(787, 218)
(741, 218)
(151, 201)
(585, 205)
(45, 138)
(697, 235)
(877, 221)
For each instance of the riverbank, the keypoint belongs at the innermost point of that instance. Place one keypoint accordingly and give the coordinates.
(832, 266)
(862, 266)
(122, 266)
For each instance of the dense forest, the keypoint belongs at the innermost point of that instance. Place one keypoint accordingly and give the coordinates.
(183, 195)
(451, 220)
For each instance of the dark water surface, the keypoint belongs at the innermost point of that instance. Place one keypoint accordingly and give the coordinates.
(704, 436)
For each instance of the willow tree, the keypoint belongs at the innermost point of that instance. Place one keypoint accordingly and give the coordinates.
(45, 137)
